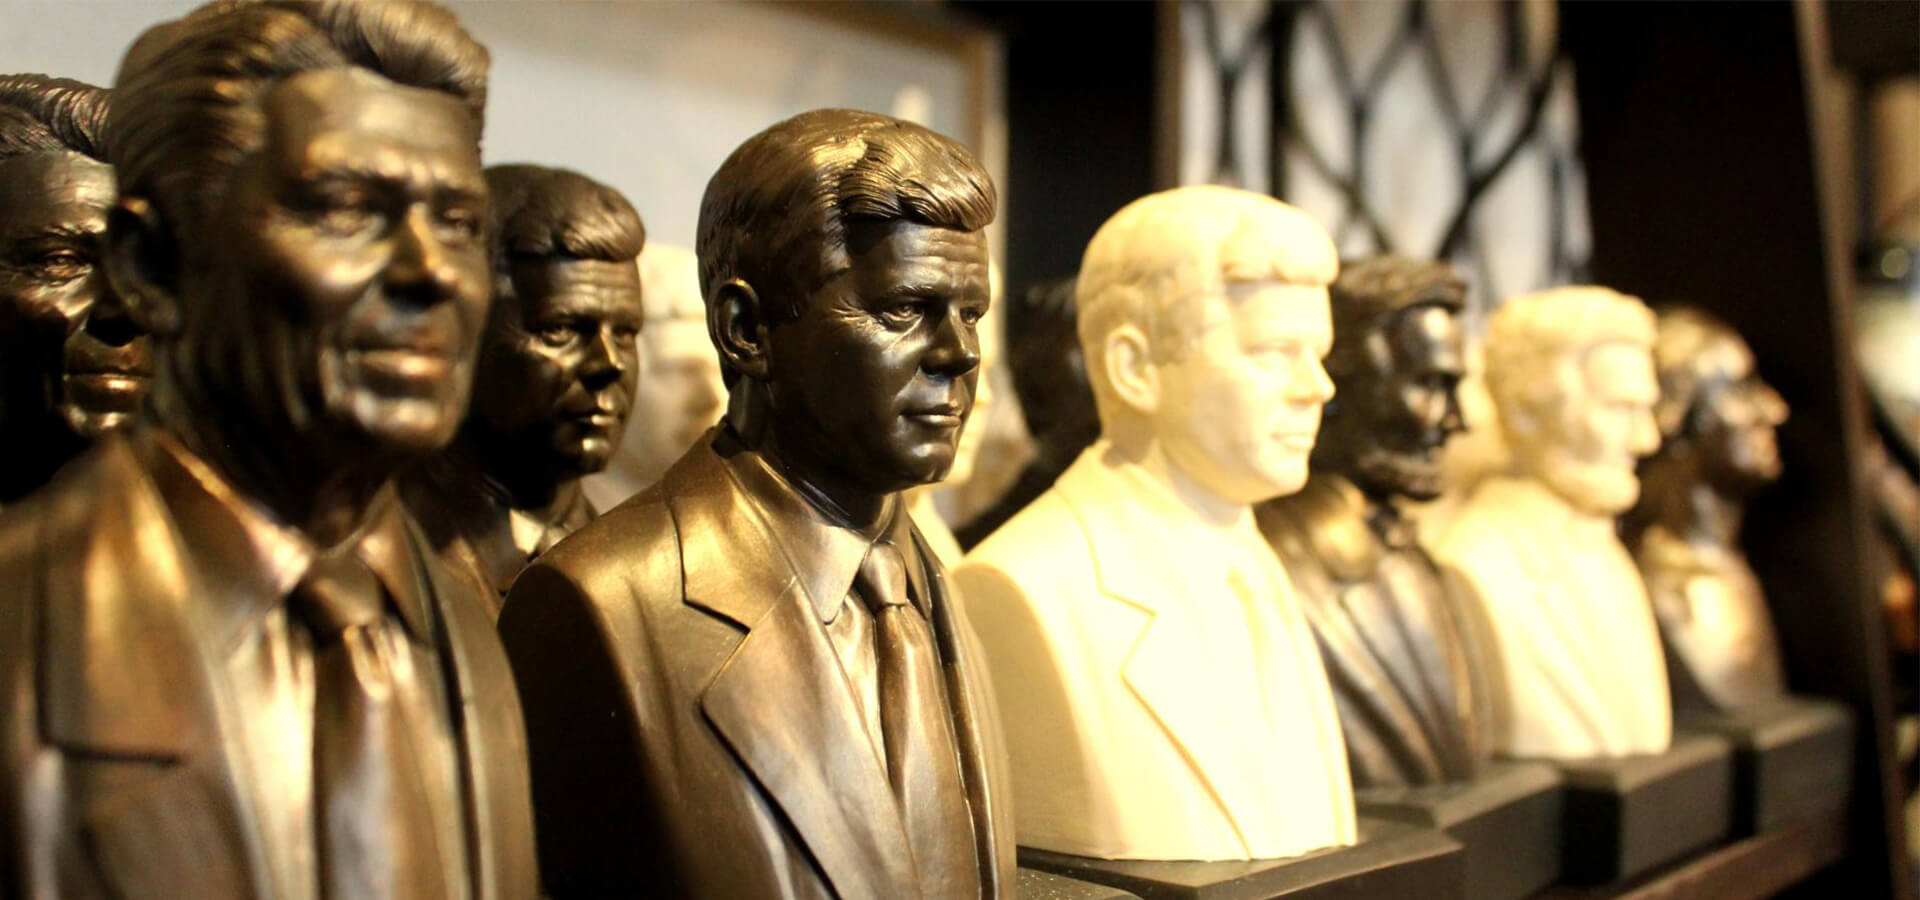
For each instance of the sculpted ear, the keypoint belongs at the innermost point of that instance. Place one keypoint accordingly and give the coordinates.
(142, 261)
(738, 328)
(1128, 360)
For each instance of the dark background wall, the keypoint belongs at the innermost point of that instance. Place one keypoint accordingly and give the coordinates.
(1080, 120)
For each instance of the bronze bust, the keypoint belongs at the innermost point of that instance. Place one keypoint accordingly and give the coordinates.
(1717, 421)
(73, 366)
(230, 664)
(1394, 645)
(555, 379)
(751, 679)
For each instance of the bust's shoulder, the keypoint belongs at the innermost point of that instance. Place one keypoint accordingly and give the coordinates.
(629, 540)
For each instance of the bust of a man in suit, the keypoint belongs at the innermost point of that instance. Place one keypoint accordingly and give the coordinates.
(73, 366)
(1573, 657)
(1394, 645)
(750, 680)
(1718, 448)
(1161, 689)
(679, 394)
(555, 382)
(232, 666)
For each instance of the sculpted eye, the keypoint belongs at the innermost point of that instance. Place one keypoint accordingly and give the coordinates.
(459, 221)
(555, 335)
(61, 265)
(973, 316)
(346, 215)
(903, 315)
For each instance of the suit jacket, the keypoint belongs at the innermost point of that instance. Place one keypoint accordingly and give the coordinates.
(692, 732)
(471, 528)
(1395, 649)
(115, 780)
(1151, 712)
(1572, 654)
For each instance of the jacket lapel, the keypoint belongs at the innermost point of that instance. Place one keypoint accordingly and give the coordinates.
(1161, 669)
(492, 739)
(780, 700)
(984, 764)
(124, 682)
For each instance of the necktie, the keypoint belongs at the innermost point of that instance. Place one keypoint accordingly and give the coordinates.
(374, 827)
(922, 755)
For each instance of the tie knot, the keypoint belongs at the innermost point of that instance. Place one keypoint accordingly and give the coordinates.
(883, 576)
(338, 593)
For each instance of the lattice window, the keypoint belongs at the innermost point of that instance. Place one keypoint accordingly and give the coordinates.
(1441, 129)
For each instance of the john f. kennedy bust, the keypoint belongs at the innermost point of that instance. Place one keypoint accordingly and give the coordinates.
(555, 379)
(751, 679)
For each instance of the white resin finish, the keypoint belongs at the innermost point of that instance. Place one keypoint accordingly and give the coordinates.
(1161, 690)
(1573, 651)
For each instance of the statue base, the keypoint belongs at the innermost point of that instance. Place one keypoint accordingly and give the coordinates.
(1626, 816)
(1793, 757)
(1507, 822)
(1393, 861)
(1037, 885)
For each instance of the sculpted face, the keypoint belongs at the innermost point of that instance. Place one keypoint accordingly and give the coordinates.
(876, 375)
(1406, 410)
(557, 374)
(1587, 449)
(69, 354)
(1238, 413)
(344, 281)
(1737, 425)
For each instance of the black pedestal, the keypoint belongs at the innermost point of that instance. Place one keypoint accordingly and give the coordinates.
(1037, 885)
(1393, 861)
(1507, 822)
(1626, 816)
(1793, 757)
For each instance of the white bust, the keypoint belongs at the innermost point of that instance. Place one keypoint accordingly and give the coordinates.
(679, 394)
(1575, 662)
(1161, 691)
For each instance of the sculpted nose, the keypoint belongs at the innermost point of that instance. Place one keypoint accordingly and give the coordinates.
(956, 347)
(603, 364)
(107, 319)
(421, 270)
(1310, 383)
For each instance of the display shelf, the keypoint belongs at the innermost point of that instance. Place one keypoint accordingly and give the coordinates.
(1760, 866)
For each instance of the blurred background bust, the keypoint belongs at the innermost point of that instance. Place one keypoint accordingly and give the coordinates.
(680, 394)
(1718, 447)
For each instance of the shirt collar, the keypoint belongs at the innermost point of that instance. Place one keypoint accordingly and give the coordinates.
(246, 545)
(824, 553)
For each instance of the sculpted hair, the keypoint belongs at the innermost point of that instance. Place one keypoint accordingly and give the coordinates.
(186, 105)
(42, 114)
(1371, 294)
(777, 212)
(1532, 338)
(1155, 262)
(1693, 352)
(543, 212)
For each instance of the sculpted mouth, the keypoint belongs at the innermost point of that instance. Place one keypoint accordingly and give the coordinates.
(948, 416)
(1296, 441)
(405, 363)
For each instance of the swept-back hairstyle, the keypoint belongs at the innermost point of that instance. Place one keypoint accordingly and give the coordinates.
(541, 212)
(42, 114)
(776, 214)
(1533, 340)
(186, 105)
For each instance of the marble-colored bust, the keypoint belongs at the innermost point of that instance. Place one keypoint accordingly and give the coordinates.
(1160, 686)
(679, 394)
(1574, 660)
(1717, 421)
